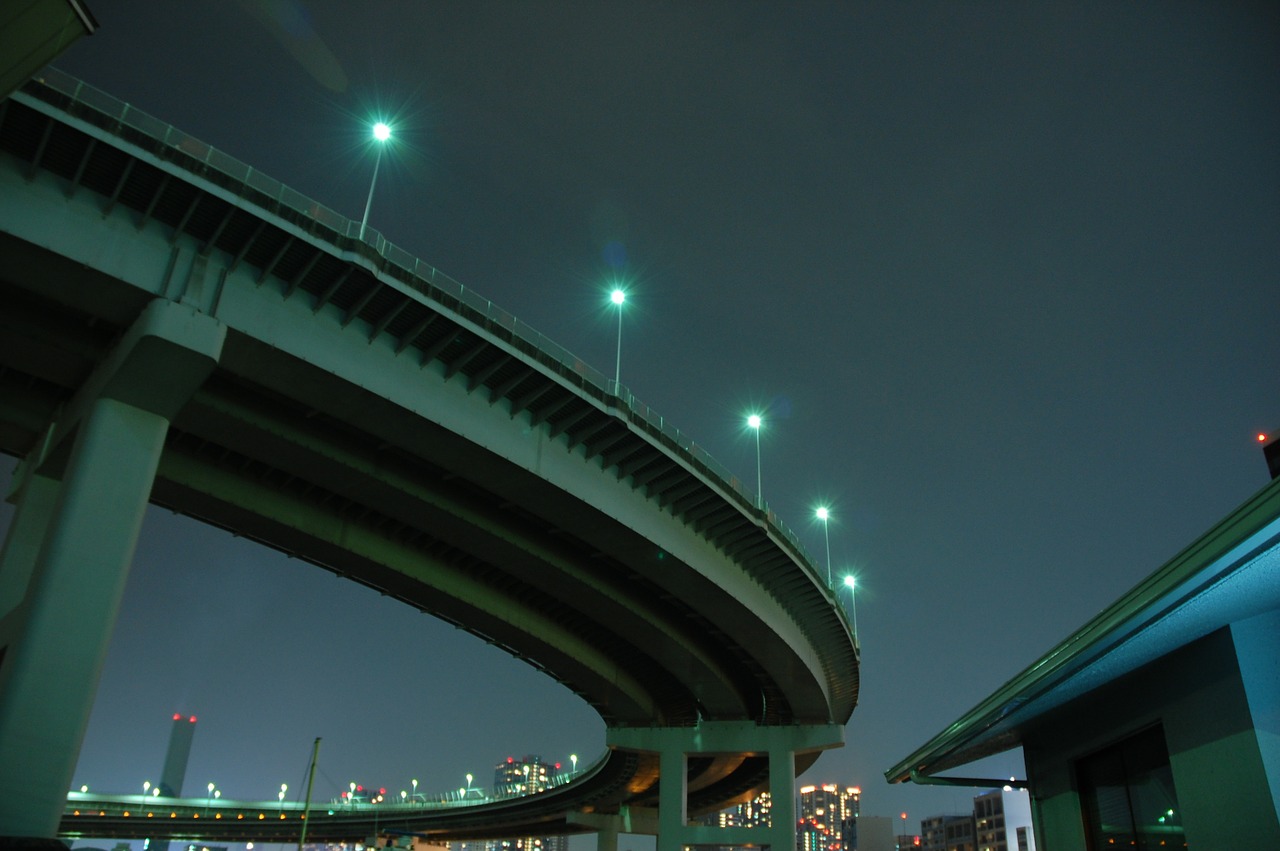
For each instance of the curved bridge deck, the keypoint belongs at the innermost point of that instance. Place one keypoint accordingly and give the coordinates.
(367, 414)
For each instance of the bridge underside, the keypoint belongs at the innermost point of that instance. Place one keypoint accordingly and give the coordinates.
(363, 419)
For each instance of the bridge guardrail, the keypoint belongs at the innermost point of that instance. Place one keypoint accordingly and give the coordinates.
(438, 287)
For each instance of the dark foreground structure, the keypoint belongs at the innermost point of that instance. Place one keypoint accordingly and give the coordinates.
(1157, 723)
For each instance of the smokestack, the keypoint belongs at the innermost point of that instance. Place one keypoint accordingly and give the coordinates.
(175, 759)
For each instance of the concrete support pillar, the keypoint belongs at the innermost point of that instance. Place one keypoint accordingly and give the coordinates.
(673, 790)
(49, 676)
(34, 496)
(782, 792)
(673, 746)
(607, 840)
(66, 560)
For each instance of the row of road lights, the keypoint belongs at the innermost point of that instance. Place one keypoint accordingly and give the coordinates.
(754, 422)
(382, 134)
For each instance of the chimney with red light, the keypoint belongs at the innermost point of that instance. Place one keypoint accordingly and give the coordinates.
(175, 759)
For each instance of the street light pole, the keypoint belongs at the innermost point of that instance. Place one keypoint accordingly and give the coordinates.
(381, 132)
(824, 515)
(618, 297)
(852, 584)
(755, 422)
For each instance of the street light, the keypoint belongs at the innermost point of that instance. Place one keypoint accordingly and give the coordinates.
(284, 787)
(573, 758)
(852, 584)
(754, 422)
(415, 790)
(208, 799)
(824, 515)
(381, 133)
(618, 297)
(146, 788)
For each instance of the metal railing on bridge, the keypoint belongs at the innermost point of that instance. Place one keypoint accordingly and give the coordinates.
(273, 196)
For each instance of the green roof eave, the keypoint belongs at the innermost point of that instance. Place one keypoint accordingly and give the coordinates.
(1125, 628)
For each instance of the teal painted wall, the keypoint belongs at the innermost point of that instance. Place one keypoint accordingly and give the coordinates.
(1198, 695)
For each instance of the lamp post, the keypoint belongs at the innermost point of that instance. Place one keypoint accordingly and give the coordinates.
(755, 422)
(824, 515)
(415, 790)
(573, 758)
(852, 584)
(381, 133)
(284, 787)
(351, 796)
(618, 297)
(208, 799)
(146, 787)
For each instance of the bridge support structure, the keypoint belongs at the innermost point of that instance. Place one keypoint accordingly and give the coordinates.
(81, 498)
(674, 745)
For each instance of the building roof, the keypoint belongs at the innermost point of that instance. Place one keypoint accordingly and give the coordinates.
(1230, 573)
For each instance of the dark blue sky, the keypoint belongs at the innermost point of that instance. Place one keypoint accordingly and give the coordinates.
(1003, 277)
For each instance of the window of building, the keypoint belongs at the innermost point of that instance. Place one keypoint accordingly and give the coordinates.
(1127, 795)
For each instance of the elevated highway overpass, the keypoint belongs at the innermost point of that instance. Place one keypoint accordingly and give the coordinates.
(176, 327)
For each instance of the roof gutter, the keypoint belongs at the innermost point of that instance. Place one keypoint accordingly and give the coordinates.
(930, 780)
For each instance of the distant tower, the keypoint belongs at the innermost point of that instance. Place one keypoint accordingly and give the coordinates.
(175, 759)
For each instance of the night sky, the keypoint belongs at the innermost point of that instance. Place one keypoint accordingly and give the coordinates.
(1002, 278)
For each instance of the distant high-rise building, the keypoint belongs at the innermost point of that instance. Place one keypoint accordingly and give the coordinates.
(947, 833)
(1002, 821)
(825, 815)
(754, 813)
(527, 775)
(873, 833)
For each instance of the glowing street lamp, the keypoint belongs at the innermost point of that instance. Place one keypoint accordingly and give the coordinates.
(824, 515)
(415, 790)
(146, 788)
(381, 133)
(618, 297)
(573, 758)
(208, 799)
(754, 422)
(852, 584)
(284, 787)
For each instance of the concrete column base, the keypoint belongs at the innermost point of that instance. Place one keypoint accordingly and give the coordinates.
(673, 746)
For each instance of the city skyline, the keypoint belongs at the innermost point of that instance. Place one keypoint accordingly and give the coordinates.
(993, 277)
